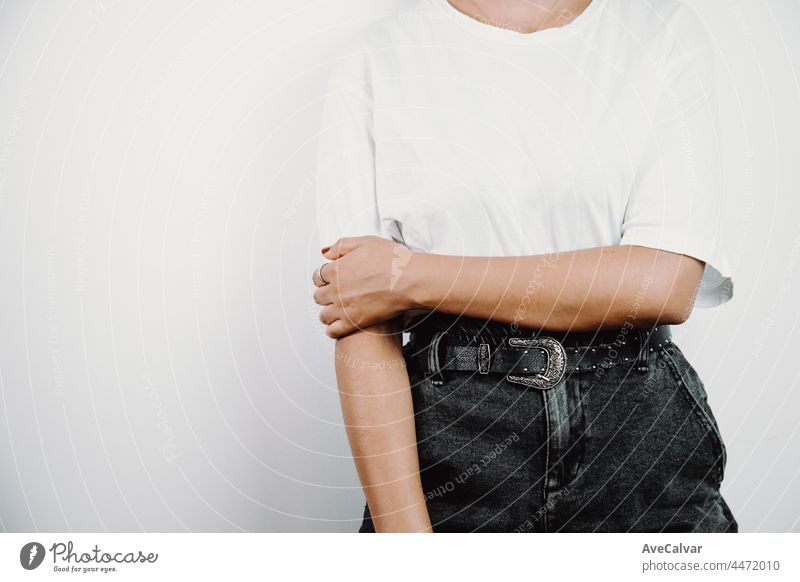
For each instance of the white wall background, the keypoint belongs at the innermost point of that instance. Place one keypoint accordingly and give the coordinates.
(161, 365)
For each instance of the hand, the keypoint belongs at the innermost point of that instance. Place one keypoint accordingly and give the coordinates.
(368, 284)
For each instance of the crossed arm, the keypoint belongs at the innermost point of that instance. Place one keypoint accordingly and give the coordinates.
(372, 281)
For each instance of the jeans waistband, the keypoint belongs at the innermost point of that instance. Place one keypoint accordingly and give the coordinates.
(460, 327)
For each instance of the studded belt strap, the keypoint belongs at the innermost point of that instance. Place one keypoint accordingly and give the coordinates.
(540, 361)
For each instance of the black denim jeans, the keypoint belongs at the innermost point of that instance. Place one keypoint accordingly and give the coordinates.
(622, 450)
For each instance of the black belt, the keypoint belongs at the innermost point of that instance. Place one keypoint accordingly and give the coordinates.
(540, 360)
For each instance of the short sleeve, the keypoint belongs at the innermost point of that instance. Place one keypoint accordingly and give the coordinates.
(675, 203)
(346, 197)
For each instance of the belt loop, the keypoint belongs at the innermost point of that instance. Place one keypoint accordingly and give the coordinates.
(484, 358)
(641, 361)
(434, 361)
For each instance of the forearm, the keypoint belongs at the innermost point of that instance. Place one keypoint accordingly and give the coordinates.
(379, 417)
(579, 290)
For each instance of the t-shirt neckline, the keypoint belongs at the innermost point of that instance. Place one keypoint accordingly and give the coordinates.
(492, 31)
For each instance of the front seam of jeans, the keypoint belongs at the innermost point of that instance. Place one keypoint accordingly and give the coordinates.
(545, 521)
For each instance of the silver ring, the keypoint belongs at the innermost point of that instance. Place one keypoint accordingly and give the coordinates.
(320, 277)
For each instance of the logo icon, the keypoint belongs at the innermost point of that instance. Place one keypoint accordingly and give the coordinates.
(31, 555)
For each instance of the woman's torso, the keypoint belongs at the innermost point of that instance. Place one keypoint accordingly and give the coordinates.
(510, 144)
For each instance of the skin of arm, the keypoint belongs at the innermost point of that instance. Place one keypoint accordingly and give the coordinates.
(378, 413)
(374, 279)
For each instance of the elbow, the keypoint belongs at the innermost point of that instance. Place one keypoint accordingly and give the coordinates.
(673, 307)
(676, 312)
(674, 283)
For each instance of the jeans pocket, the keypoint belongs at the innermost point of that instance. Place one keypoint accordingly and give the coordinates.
(693, 389)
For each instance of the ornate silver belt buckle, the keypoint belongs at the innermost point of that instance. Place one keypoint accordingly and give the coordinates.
(556, 362)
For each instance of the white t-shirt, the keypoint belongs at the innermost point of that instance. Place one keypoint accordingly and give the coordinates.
(457, 137)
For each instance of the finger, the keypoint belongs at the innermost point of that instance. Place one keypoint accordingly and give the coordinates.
(328, 315)
(322, 275)
(326, 251)
(362, 239)
(322, 296)
(346, 322)
(315, 279)
(339, 329)
(325, 271)
(343, 246)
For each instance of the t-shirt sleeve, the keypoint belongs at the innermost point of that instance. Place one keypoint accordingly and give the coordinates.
(675, 202)
(346, 197)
